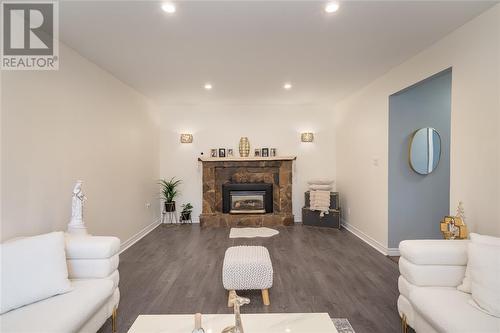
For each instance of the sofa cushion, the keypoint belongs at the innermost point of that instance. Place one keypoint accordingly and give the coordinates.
(32, 269)
(62, 313)
(449, 310)
(484, 266)
(482, 239)
(435, 252)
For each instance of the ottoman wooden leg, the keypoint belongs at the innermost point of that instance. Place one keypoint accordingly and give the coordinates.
(265, 297)
(230, 298)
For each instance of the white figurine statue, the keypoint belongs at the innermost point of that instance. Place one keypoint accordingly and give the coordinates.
(76, 226)
(461, 211)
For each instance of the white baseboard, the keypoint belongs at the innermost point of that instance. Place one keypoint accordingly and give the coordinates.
(135, 238)
(364, 237)
(393, 252)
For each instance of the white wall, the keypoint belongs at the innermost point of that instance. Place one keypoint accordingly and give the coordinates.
(362, 130)
(221, 126)
(76, 123)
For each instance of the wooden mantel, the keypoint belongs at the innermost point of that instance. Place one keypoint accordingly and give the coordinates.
(245, 159)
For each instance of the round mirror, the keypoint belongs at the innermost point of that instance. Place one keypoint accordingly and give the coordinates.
(425, 150)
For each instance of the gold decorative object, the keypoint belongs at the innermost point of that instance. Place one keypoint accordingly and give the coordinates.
(453, 227)
(244, 147)
(307, 137)
(186, 138)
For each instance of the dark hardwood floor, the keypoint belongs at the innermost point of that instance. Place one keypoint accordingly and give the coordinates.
(176, 269)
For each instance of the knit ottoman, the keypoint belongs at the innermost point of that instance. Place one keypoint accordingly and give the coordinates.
(247, 268)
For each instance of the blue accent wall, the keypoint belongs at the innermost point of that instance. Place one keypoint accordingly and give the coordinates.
(417, 203)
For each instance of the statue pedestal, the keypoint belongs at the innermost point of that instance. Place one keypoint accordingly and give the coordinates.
(77, 229)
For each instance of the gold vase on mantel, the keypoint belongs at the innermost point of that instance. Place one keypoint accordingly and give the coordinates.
(244, 147)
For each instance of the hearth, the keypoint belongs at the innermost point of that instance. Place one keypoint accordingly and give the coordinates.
(247, 198)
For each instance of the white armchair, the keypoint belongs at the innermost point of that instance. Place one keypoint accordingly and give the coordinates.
(93, 271)
(429, 300)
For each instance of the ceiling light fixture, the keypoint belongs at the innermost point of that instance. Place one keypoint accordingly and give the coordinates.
(168, 7)
(287, 86)
(207, 86)
(332, 7)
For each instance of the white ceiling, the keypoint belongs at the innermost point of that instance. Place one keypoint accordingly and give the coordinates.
(248, 49)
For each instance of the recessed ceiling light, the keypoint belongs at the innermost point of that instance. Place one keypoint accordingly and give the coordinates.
(207, 86)
(332, 7)
(287, 86)
(168, 7)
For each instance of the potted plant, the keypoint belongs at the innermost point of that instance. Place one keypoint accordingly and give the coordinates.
(169, 190)
(187, 208)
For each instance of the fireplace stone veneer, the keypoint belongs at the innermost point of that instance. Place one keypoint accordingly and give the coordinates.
(274, 170)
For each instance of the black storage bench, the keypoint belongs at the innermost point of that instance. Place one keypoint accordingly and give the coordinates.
(313, 218)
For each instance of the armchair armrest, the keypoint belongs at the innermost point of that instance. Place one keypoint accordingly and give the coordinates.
(91, 257)
(438, 263)
(435, 252)
(91, 247)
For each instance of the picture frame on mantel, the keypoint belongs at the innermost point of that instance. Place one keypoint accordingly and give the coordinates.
(265, 152)
(222, 152)
(257, 152)
(213, 152)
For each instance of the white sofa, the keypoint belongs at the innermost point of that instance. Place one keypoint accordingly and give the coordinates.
(429, 300)
(93, 271)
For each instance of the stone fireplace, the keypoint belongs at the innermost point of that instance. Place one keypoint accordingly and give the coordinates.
(247, 191)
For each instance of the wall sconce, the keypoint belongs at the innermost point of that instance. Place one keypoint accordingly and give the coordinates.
(307, 137)
(186, 138)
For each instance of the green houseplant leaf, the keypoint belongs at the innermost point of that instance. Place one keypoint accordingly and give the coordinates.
(187, 208)
(169, 189)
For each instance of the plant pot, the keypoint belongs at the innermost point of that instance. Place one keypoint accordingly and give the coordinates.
(170, 206)
(185, 216)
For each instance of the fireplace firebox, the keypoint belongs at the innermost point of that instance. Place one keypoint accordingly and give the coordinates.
(254, 198)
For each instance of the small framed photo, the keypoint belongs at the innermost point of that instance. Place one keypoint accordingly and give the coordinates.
(230, 152)
(265, 152)
(222, 152)
(213, 152)
(272, 152)
(257, 153)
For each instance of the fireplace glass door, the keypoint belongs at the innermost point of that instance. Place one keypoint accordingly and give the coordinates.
(247, 202)
(253, 198)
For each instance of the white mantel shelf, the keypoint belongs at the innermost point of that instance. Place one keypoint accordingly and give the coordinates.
(245, 159)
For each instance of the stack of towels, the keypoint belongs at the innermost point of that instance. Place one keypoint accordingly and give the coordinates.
(320, 195)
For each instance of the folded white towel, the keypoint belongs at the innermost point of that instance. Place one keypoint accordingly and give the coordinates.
(320, 181)
(320, 187)
(320, 200)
